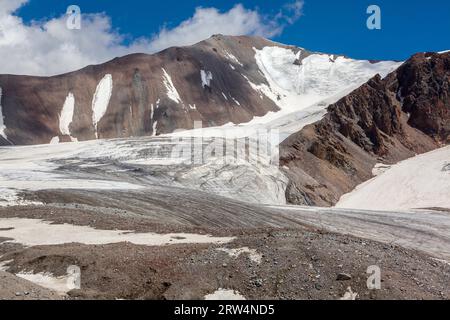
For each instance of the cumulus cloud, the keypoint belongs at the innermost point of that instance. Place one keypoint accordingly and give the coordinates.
(49, 47)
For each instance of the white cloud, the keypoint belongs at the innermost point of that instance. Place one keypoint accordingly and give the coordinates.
(49, 47)
(8, 6)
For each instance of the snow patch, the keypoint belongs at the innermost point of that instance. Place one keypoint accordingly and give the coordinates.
(235, 253)
(380, 168)
(235, 101)
(417, 183)
(49, 281)
(152, 111)
(349, 295)
(3, 265)
(2, 118)
(206, 77)
(66, 116)
(36, 232)
(101, 100)
(155, 128)
(172, 92)
(55, 140)
(232, 58)
(10, 197)
(224, 294)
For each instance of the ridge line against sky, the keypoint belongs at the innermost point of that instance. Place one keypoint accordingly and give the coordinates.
(33, 32)
(29, 46)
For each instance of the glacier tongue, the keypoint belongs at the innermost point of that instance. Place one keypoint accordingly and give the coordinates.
(111, 164)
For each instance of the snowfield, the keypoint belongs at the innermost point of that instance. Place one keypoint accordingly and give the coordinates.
(23, 231)
(420, 182)
(307, 87)
(172, 92)
(302, 91)
(101, 100)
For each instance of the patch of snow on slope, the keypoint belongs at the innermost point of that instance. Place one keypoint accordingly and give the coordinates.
(35, 232)
(101, 100)
(235, 101)
(152, 112)
(420, 182)
(66, 116)
(55, 140)
(2, 121)
(224, 295)
(49, 281)
(207, 77)
(172, 92)
(9, 197)
(380, 168)
(155, 128)
(349, 295)
(235, 253)
(233, 58)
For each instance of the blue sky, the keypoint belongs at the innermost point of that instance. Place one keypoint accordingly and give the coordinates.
(329, 26)
(34, 32)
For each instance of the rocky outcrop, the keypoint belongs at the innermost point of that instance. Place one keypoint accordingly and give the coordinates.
(384, 121)
(424, 90)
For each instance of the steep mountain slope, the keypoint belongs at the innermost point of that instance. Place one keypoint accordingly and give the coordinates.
(219, 81)
(383, 121)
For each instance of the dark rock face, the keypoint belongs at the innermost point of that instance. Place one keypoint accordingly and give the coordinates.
(424, 88)
(385, 120)
(140, 103)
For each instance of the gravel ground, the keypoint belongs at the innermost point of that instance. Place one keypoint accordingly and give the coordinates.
(298, 262)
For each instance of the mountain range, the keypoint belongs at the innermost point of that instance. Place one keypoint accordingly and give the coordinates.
(93, 181)
(337, 117)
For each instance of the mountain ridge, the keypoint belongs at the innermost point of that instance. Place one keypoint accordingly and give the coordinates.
(384, 121)
(160, 93)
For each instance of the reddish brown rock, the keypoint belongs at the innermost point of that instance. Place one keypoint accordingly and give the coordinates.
(139, 101)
